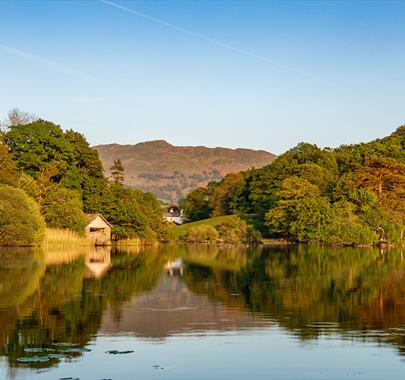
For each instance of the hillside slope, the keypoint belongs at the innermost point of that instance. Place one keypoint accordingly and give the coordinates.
(171, 172)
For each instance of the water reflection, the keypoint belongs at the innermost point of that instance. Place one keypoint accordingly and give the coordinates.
(54, 303)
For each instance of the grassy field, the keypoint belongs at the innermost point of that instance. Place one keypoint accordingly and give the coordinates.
(183, 229)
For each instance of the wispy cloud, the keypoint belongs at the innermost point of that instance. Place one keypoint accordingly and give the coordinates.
(208, 39)
(55, 66)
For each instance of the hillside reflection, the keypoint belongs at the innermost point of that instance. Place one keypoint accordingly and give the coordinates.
(48, 299)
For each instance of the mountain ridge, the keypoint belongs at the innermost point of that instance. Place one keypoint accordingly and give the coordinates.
(170, 171)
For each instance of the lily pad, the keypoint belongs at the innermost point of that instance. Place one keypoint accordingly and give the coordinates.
(57, 356)
(116, 352)
(34, 349)
(33, 359)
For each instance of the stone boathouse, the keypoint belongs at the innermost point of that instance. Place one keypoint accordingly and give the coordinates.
(98, 229)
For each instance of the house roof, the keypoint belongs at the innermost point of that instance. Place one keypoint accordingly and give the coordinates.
(92, 217)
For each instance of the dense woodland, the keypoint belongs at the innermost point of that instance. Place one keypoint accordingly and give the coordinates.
(53, 177)
(352, 195)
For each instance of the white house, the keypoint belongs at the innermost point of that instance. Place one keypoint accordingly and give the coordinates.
(173, 215)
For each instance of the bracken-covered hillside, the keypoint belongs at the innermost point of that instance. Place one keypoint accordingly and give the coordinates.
(171, 172)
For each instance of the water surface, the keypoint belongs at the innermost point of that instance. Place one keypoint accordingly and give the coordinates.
(202, 312)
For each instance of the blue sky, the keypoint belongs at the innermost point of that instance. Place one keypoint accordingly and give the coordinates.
(262, 75)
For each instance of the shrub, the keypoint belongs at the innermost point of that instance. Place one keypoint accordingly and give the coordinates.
(202, 234)
(237, 231)
(21, 223)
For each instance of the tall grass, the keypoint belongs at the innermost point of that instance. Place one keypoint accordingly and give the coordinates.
(134, 242)
(55, 238)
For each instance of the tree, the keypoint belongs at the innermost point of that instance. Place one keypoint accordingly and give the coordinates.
(39, 145)
(21, 223)
(62, 208)
(133, 213)
(17, 117)
(8, 169)
(117, 171)
(347, 228)
(87, 175)
(227, 197)
(196, 204)
(300, 213)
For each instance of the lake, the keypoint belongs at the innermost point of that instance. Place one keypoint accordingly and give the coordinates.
(202, 312)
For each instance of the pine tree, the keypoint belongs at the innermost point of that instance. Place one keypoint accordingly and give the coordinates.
(117, 172)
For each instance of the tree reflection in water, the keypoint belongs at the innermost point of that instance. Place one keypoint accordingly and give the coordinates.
(62, 297)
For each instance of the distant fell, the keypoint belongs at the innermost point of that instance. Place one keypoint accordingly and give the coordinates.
(171, 172)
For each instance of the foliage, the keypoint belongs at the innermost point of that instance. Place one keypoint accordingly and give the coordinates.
(202, 234)
(39, 145)
(182, 230)
(237, 231)
(196, 205)
(8, 169)
(65, 176)
(21, 223)
(229, 230)
(117, 171)
(350, 195)
(63, 208)
(133, 213)
(225, 199)
(90, 182)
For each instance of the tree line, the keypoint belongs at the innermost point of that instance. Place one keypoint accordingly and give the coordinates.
(53, 177)
(353, 195)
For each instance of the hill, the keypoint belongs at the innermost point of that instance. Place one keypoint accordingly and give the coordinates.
(171, 172)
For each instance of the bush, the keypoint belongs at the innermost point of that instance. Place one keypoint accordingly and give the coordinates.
(237, 231)
(202, 234)
(21, 223)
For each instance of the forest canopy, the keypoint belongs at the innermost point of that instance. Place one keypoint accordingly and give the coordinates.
(353, 195)
(63, 177)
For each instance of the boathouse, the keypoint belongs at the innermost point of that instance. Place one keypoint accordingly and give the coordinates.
(98, 229)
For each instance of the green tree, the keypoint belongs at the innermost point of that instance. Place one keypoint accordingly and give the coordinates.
(133, 213)
(227, 197)
(8, 169)
(39, 145)
(88, 175)
(347, 228)
(21, 223)
(301, 213)
(196, 204)
(62, 208)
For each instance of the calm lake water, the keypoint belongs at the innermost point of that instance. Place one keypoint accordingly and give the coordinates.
(197, 312)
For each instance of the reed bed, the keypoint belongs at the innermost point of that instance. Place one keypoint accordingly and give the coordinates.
(134, 242)
(55, 238)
